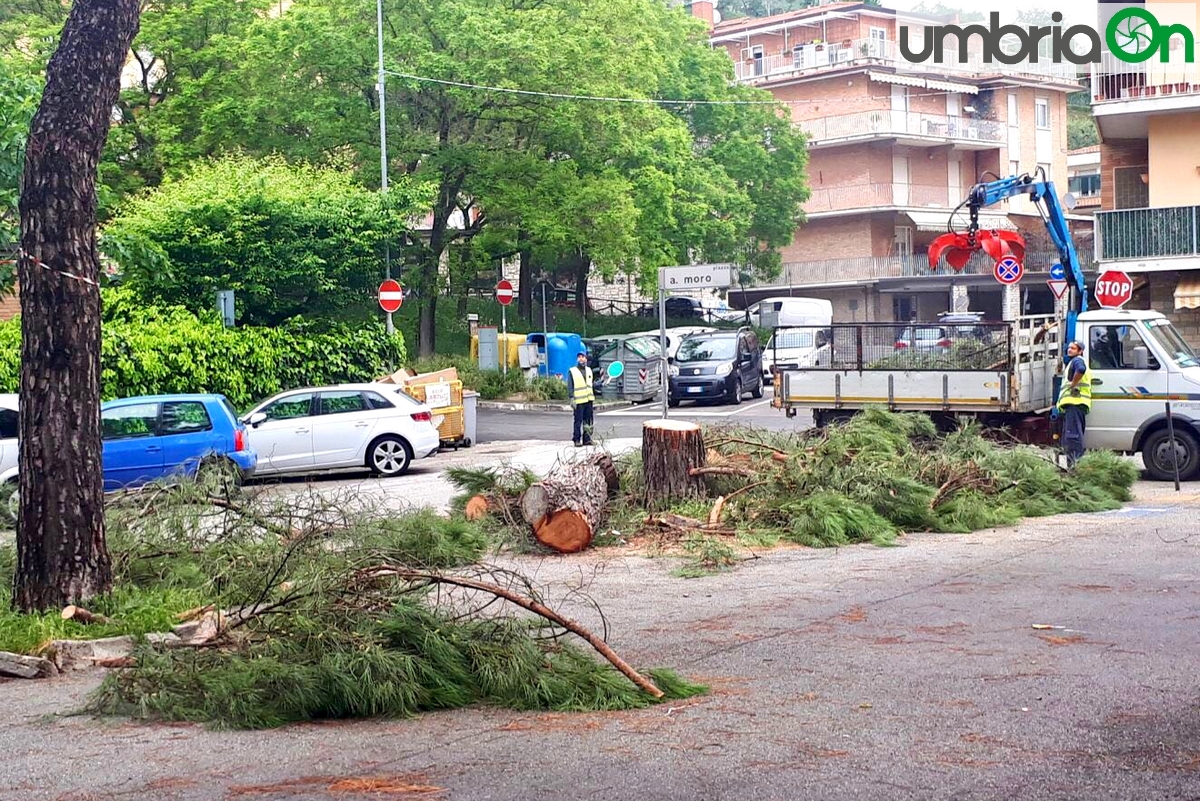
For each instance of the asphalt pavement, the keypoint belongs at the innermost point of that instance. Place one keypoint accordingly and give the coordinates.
(626, 421)
(1053, 660)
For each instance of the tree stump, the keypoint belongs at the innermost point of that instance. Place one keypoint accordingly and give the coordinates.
(569, 505)
(671, 450)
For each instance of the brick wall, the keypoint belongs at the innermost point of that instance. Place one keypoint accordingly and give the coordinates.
(10, 304)
(1162, 298)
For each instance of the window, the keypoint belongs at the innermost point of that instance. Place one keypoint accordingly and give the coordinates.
(375, 401)
(1129, 190)
(1110, 347)
(1045, 168)
(1084, 185)
(1041, 111)
(1014, 119)
(185, 417)
(290, 408)
(903, 240)
(8, 424)
(342, 402)
(878, 42)
(696, 349)
(1163, 333)
(130, 422)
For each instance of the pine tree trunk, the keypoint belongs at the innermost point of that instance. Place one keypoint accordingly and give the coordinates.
(62, 558)
(670, 450)
(567, 508)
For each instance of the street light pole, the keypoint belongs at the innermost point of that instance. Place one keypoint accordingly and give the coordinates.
(383, 158)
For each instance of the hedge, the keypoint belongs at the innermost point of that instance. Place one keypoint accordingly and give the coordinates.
(152, 351)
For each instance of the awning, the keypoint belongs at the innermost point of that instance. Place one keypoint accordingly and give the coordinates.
(1187, 293)
(951, 86)
(897, 78)
(937, 220)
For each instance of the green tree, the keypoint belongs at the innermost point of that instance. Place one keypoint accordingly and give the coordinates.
(289, 239)
(19, 95)
(1081, 129)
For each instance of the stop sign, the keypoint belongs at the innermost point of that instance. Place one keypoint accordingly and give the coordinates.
(391, 296)
(504, 293)
(1113, 289)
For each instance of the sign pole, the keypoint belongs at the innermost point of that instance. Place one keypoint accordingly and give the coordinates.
(664, 370)
(545, 329)
(383, 157)
(504, 337)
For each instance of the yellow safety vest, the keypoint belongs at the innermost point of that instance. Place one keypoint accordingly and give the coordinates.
(581, 380)
(1083, 393)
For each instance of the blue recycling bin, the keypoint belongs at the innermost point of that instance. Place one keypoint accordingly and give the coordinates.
(557, 351)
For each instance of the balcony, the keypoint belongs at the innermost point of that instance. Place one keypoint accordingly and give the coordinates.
(1114, 80)
(869, 269)
(1148, 234)
(812, 59)
(971, 133)
(877, 195)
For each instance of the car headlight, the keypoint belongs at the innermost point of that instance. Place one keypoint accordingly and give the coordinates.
(725, 369)
(673, 370)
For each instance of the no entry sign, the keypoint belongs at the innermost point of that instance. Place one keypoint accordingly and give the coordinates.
(504, 293)
(391, 296)
(1113, 289)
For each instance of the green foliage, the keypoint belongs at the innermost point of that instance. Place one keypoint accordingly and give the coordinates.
(20, 92)
(1081, 129)
(154, 350)
(827, 518)
(1108, 471)
(706, 556)
(290, 240)
(350, 642)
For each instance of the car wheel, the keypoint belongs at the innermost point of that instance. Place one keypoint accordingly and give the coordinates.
(673, 402)
(389, 456)
(758, 390)
(737, 392)
(1160, 461)
(10, 502)
(220, 475)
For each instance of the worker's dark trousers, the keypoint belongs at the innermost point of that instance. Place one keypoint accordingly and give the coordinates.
(583, 424)
(1074, 424)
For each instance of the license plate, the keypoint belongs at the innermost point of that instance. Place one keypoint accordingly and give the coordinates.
(695, 390)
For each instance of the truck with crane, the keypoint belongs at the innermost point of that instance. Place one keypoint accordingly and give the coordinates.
(1145, 377)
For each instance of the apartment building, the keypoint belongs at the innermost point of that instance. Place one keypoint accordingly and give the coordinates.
(1083, 179)
(894, 146)
(1148, 225)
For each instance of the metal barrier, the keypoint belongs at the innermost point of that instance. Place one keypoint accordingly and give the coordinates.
(859, 347)
(1148, 233)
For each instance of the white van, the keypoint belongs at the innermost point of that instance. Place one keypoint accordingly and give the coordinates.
(774, 312)
(799, 339)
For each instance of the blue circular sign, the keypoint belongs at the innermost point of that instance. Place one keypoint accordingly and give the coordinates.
(616, 370)
(1008, 270)
(1058, 273)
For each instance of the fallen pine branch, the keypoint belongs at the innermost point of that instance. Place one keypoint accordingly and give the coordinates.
(525, 603)
(740, 472)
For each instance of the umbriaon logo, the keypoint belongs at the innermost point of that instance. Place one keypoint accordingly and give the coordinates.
(1133, 35)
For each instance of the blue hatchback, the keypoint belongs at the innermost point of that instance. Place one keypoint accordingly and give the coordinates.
(157, 436)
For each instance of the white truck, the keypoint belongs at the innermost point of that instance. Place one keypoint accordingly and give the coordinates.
(1008, 375)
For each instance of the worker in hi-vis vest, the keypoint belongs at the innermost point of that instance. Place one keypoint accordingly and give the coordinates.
(579, 390)
(1074, 402)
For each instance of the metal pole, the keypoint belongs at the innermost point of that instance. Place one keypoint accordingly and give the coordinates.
(383, 159)
(664, 369)
(545, 327)
(504, 337)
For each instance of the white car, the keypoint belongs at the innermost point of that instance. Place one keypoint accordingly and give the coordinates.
(676, 335)
(8, 437)
(376, 426)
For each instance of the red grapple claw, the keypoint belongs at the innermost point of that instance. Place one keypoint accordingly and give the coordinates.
(957, 248)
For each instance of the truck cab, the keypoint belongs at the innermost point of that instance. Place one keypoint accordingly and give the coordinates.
(1139, 362)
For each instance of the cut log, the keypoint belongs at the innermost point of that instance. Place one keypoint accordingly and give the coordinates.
(671, 450)
(569, 505)
(477, 508)
(25, 667)
(81, 615)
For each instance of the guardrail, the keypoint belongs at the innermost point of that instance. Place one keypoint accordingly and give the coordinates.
(870, 268)
(1115, 80)
(883, 122)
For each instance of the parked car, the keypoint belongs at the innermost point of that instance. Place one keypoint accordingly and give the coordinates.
(676, 335)
(941, 338)
(150, 438)
(719, 365)
(377, 426)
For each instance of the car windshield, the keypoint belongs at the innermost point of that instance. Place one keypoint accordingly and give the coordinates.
(695, 349)
(791, 339)
(1163, 333)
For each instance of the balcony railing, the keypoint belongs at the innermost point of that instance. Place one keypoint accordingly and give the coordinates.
(874, 268)
(1115, 80)
(827, 56)
(1148, 233)
(868, 124)
(861, 196)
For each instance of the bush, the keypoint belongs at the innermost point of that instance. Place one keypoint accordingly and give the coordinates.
(151, 351)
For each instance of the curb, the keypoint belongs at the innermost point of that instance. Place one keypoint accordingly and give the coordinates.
(505, 406)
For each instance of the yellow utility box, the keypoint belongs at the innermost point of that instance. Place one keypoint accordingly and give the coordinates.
(509, 344)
